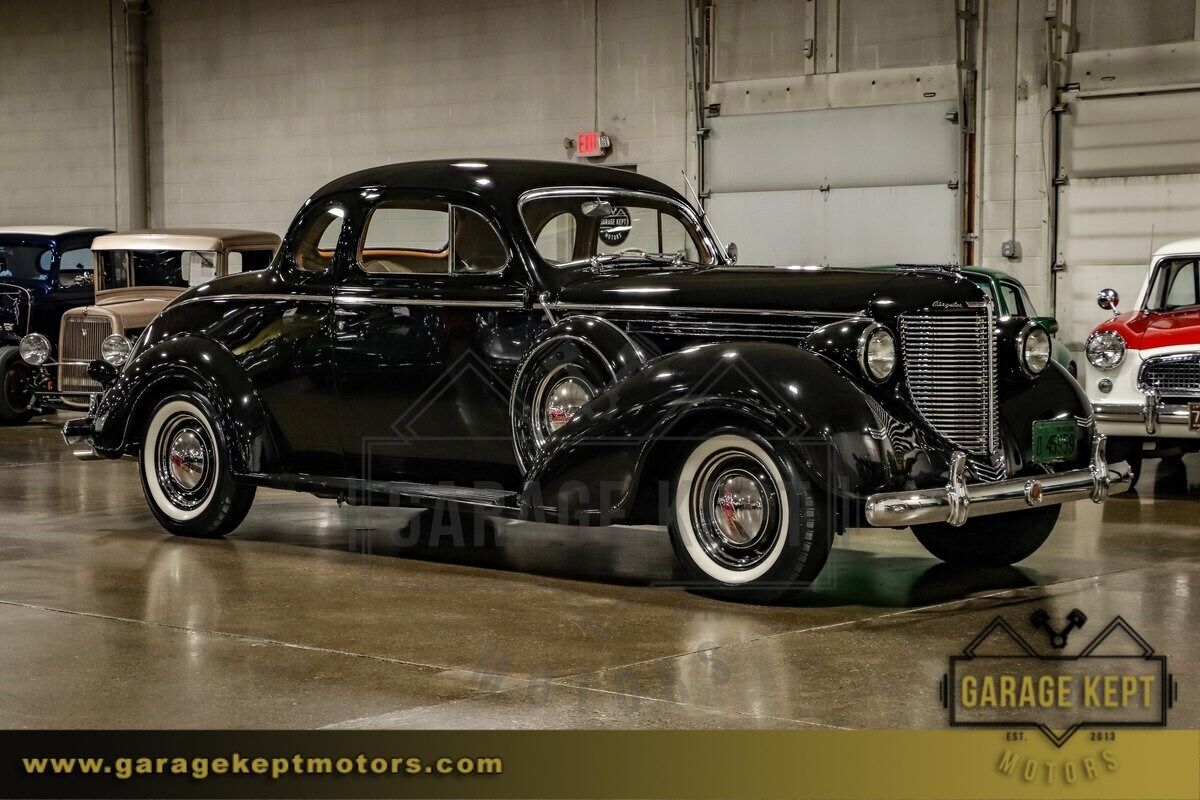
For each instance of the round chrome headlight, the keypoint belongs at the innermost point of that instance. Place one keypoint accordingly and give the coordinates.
(34, 349)
(115, 349)
(877, 353)
(1034, 349)
(1105, 349)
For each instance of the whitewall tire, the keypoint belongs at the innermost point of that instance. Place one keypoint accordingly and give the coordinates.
(185, 471)
(744, 522)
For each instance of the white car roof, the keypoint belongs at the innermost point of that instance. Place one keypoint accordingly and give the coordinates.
(44, 230)
(219, 239)
(1183, 247)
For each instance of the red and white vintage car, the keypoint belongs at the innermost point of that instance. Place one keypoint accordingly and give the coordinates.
(1146, 383)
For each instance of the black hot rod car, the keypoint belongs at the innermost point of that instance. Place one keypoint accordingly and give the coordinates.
(572, 343)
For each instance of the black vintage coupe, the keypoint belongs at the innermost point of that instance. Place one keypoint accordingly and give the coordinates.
(572, 343)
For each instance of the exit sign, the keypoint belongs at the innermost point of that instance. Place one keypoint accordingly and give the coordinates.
(592, 143)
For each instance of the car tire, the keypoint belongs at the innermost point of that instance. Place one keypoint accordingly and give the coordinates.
(186, 473)
(767, 550)
(16, 388)
(551, 366)
(998, 540)
(1131, 451)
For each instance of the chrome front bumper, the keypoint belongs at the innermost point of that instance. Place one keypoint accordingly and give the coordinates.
(1152, 413)
(960, 501)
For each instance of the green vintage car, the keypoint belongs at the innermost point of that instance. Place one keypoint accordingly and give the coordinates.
(1010, 298)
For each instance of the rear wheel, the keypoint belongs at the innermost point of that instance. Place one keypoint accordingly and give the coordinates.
(186, 474)
(16, 391)
(993, 541)
(744, 523)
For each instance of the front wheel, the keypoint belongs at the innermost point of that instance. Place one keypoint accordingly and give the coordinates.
(186, 474)
(993, 541)
(744, 523)
(16, 388)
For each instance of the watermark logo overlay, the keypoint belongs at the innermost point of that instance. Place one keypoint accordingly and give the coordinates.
(1001, 680)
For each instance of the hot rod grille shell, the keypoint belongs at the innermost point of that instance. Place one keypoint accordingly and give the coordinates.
(950, 372)
(1172, 376)
(79, 345)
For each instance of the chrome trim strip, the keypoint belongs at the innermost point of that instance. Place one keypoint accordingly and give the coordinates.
(701, 310)
(303, 298)
(355, 300)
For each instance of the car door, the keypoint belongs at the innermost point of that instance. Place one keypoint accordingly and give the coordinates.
(430, 324)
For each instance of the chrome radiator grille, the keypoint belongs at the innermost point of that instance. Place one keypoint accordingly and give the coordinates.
(79, 345)
(1177, 375)
(950, 370)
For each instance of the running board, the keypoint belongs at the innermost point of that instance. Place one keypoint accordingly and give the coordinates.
(500, 500)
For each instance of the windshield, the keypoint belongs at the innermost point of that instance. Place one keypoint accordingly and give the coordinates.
(1176, 284)
(571, 229)
(182, 268)
(26, 263)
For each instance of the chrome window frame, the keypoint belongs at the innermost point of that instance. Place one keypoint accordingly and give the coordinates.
(709, 239)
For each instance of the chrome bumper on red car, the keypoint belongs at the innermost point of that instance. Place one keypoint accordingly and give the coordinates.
(958, 501)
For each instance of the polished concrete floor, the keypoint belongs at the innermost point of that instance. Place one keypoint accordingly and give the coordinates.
(312, 615)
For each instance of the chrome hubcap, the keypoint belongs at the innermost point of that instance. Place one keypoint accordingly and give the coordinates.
(736, 509)
(188, 459)
(183, 460)
(564, 401)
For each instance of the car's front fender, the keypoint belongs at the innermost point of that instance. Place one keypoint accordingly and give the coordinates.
(621, 442)
(187, 363)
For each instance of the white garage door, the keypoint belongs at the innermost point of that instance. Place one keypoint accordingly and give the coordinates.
(847, 187)
(1133, 185)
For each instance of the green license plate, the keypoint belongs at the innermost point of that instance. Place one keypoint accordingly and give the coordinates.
(1055, 440)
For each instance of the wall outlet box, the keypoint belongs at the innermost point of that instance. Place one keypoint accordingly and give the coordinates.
(1011, 249)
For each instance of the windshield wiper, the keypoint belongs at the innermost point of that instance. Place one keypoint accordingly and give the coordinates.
(602, 260)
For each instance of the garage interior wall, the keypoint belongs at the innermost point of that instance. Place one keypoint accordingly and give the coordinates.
(253, 105)
(836, 109)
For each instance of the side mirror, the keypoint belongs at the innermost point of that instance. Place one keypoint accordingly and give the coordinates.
(102, 372)
(1108, 300)
(731, 252)
(597, 209)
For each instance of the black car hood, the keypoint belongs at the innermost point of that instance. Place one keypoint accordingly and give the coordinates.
(766, 289)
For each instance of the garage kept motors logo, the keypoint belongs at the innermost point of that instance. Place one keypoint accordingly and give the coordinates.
(614, 229)
(1003, 681)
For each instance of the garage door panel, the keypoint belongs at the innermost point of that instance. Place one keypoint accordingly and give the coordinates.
(842, 227)
(1131, 135)
(1108, 229)
(909, 144)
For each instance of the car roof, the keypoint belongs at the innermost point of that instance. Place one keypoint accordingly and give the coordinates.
(499, 179)
(1183, 247)
(219, 239)
(50, 231)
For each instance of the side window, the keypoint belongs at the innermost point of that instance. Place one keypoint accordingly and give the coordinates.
(556, 241)
(314, 250)
(76, 266)
(247, 260)
(1012, 299)
(407, 238)
(477, 246)
(1030, 309)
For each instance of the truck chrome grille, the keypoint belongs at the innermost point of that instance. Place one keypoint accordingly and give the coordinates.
(1171, 376)
(79, 345)
(950, 371)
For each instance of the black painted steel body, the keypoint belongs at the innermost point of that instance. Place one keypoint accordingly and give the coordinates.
(345, 382)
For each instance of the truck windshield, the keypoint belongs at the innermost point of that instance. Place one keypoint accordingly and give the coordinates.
(182, 268)
(572, 229)
(25, 263)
